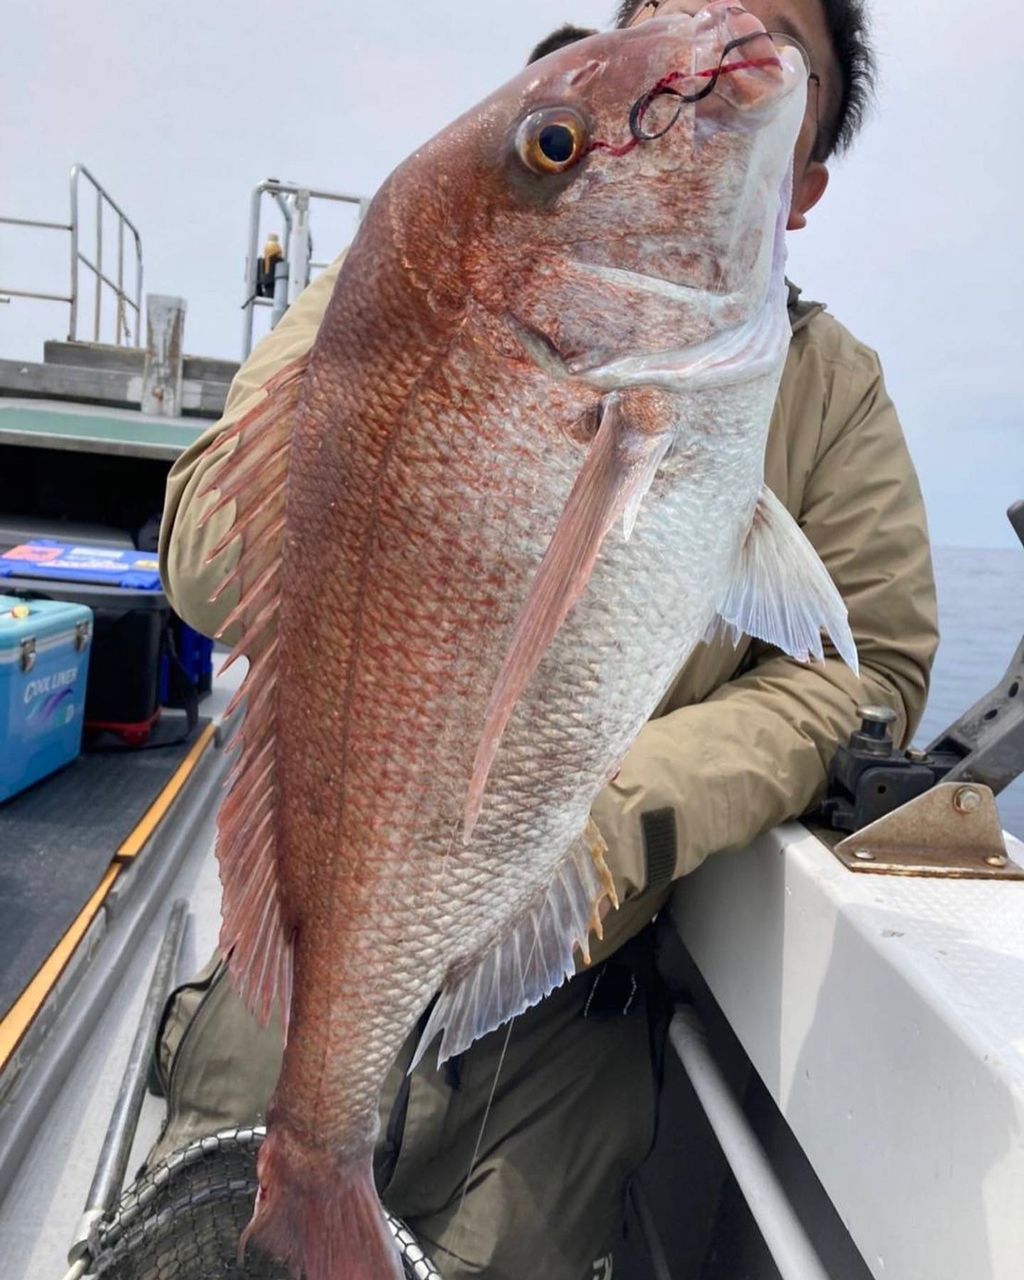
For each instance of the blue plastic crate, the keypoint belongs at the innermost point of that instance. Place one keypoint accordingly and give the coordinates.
(64, 562)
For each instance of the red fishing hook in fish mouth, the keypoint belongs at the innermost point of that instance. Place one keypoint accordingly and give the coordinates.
(664, 89)
(664, 86)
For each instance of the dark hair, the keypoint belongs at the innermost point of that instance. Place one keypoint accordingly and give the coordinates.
(567, 34)
(848, 28)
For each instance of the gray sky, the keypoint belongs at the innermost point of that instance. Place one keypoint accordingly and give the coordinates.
(181, 108)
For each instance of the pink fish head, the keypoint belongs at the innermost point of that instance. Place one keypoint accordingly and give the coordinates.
(621, 196)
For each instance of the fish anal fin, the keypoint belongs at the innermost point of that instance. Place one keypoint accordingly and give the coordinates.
(781, 592)
(256, 934)
(636, 430)
(534, 956)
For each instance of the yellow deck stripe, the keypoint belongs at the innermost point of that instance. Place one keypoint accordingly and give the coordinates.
(28, 1004)
(137, 840)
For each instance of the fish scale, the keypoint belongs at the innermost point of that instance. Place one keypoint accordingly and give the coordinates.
(523, 460)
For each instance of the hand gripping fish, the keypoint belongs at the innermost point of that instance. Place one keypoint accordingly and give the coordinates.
(481, 526)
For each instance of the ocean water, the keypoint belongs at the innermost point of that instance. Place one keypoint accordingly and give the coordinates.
(981, 620)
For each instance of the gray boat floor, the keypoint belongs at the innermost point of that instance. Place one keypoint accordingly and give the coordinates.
(58, 838)
(41, 1210)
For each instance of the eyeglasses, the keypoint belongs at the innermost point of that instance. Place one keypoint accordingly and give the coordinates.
(644, 12)
(782, 41)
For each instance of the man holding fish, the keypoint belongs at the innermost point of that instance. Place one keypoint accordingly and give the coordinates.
(525, 440)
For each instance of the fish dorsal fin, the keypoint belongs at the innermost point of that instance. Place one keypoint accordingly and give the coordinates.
(255, 933)
(536, 955)
(781, 592)
(635, 433)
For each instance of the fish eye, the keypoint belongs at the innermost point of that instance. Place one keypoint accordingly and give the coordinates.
(552, 141)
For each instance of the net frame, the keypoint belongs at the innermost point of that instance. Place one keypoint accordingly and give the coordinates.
(181, 1220)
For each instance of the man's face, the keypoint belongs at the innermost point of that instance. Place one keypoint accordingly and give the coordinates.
(804, 20)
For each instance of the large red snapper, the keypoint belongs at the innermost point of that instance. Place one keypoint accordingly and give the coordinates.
(483, 524)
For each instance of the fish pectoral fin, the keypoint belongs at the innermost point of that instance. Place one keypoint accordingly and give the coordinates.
(636, 430)
(531, 959)
(782, 593)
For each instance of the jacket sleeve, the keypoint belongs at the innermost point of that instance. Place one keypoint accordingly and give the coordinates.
(756, 751)
(189, 580)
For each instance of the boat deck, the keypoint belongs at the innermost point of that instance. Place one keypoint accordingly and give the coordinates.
(58, 1090)
(64, 838)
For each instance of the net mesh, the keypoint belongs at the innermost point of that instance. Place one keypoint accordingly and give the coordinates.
(182, 1220)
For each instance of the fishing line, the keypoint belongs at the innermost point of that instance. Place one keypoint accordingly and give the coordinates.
(442, 874)
(483, 1123)
(487, 1108)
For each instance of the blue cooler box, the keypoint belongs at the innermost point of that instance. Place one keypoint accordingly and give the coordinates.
(44, 664)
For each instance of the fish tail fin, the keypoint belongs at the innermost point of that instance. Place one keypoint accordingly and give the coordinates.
(323, 1221)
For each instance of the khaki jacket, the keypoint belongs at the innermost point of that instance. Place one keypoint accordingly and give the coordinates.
(744, 738)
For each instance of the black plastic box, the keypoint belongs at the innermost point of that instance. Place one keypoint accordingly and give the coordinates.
(123, 693)
(129, 630)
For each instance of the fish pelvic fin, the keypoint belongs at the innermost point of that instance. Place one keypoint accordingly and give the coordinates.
(535, 955)
(255, 934)
(320, 1215)
(635, 433)
(782, 593)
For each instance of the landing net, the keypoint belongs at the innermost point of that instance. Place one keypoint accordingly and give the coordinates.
(182, 1220)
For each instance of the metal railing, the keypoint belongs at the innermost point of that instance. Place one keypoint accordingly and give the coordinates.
(784, 1234)
(102, 197)
(123, 301)
(293, 201)
(29, 293)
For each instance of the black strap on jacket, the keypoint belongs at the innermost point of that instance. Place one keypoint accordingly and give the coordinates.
(660, 847)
